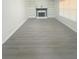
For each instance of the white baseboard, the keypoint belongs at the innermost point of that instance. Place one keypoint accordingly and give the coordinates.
(69, 23)
(13, 31)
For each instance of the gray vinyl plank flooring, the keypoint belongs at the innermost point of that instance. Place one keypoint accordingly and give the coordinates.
(41, 39)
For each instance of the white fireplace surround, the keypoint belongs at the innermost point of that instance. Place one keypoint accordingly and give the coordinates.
(41, 11)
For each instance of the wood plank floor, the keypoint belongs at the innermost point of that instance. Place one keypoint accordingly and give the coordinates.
(41, 39)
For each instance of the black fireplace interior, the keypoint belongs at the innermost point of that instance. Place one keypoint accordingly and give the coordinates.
(41, 14)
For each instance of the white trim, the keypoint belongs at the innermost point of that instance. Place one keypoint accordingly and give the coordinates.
(41, 11)
(69, 23)
(15, 29)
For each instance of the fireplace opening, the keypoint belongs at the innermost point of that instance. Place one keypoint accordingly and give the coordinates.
(41, 14)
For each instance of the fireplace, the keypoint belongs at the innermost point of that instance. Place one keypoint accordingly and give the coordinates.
(41, 12)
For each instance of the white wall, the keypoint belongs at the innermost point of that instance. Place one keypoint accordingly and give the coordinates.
(13, 15)
(67, 13)
(52, 6)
